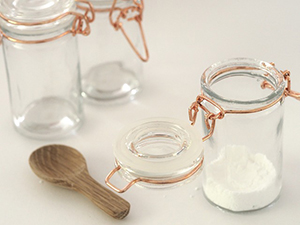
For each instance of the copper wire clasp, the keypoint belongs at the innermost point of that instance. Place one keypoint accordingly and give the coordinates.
(288, 89)
(109, 184)
(89, 11)
(80, 24)
(210, 117)
(193, 112)
(149, 181)
(138, 8)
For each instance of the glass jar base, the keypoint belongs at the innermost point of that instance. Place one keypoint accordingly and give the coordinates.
(110, 82)
(244, 210)
(48, 118)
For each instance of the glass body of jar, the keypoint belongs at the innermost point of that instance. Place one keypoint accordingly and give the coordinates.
(111, 70)
(243, 157)
(43, 77)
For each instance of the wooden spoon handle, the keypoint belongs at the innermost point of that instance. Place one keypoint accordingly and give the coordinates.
(105, 199)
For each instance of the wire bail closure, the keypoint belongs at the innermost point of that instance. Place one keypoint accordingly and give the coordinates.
(146, 180)
(210, 118)
(80, 24)
(137, 7)
(288, 89)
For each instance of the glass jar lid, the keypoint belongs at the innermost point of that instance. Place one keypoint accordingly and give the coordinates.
(34, 11)
(159, 152)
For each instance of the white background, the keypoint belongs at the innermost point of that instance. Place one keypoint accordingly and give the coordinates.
(184, 38)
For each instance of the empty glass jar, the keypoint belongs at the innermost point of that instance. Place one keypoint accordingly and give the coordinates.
(42, 64)
(111, 57)
(242, 104)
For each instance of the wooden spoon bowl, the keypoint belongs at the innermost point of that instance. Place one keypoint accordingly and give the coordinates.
(66, 167)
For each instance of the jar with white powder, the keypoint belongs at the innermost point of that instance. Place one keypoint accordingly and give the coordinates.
(242, 111)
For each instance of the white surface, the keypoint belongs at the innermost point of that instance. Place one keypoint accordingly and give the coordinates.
(184, 38)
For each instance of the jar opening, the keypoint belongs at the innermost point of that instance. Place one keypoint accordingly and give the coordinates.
(243, 81)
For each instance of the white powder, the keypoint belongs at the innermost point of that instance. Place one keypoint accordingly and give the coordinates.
(240, 181)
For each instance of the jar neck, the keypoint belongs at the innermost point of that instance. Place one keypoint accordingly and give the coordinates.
(242, 83)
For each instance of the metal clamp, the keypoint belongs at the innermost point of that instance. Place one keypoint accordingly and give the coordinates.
(209, 116)
(288, 89)
(146, 180)
(138, 7)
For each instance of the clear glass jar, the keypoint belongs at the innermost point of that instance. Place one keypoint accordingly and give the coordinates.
(242, 101)
(157, 153)
(114, 72)
(42, 64)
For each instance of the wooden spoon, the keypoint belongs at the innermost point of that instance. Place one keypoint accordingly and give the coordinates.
(66, 167)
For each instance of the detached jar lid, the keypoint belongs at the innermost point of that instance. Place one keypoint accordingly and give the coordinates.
(157, 152)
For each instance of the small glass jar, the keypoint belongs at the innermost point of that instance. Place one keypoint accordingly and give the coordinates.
(42, 64)
(157, 153)
(242, 104)
(114, 72)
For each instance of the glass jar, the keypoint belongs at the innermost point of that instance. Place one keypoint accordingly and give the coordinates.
(157, 153)
(242, 104)
(42, 64)
(114, 72)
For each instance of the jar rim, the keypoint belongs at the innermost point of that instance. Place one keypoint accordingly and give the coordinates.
(215, 70)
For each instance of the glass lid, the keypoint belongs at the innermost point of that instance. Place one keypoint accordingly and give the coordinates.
(158, 149)
(34, 10)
